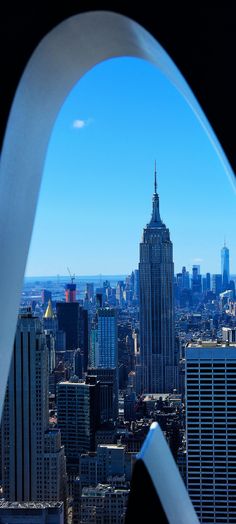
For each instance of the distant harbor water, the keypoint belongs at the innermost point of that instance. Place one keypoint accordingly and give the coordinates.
(60, 280)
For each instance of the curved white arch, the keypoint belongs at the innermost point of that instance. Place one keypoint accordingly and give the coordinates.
(60, 60)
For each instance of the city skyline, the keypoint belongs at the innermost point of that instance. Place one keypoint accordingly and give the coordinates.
(121, 388)
(98, 177)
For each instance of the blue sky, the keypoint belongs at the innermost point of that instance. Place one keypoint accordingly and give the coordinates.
(97, 186)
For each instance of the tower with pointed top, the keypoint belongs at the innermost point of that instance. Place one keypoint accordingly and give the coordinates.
(225, 266)
(156, 274)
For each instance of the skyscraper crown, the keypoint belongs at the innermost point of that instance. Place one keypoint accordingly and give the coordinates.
(155, 218)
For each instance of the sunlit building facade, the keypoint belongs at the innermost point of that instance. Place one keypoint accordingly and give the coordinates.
(156, 274)
(211, 430)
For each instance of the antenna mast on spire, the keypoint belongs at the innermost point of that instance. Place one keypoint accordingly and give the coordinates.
(155, 179)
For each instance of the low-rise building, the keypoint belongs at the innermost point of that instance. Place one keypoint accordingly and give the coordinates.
(31, 512)
(103, 505)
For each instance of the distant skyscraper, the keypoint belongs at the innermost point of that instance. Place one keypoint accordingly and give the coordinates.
(216, 284)
(73, 320)
(119, 291)
(70, 291)
(68, 316)
(46, 296)
(90, 290)
(108, 379)
(49, 318)
(196, 279)
(229, 334)
(225, 267)
(156, 272)
(107, 338)
(185, 278)
(211, 429)
(206, 283)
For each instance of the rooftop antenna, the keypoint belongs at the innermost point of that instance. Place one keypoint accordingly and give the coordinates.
(155, 178)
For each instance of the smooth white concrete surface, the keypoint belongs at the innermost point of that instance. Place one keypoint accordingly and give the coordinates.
(60, 60)
(166, 478)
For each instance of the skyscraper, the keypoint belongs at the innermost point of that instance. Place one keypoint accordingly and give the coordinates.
(216, 284)
(68, 316)
(78, 417)
(107, 338)
(25, 414)
(73, 320)
(211, 429)
(46, 296)
(70, 291)
(108, 378)
(33, 461)
(225, 267)
(156, 273)
(90, 290)
(196, 279)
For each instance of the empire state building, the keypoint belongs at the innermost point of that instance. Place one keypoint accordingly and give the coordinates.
(156, 274)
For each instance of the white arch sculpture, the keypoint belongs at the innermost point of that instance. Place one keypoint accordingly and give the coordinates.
(60, 60)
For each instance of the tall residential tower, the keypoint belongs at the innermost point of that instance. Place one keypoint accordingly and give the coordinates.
(156, 274)
(225, 267)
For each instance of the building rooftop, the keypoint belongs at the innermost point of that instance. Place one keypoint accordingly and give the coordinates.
(78, 382)
(112, 446)
(101, 489)
(211, 344)
(164, 396)
(30, 505)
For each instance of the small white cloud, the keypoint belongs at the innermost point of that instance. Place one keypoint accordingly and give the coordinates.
(79, 123)
(198, 260)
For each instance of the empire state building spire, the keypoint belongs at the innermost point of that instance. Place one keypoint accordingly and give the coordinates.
(155, 219)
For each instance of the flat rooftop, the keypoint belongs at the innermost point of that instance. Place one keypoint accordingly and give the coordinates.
(30, 505)
(157, 396)
(211, 344)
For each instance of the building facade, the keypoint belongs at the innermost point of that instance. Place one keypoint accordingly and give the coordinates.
(73, 321)
(68, 316)
(25, 413)
(156, 273)
(31, 512)
(31, 469)
(54, 467)
(217, 283)
(78, 417)
(211, 430)
(107, 338)
(103, 505)
(109, 390)
(229, 334)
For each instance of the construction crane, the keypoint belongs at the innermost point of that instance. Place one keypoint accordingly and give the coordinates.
(71, 276)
